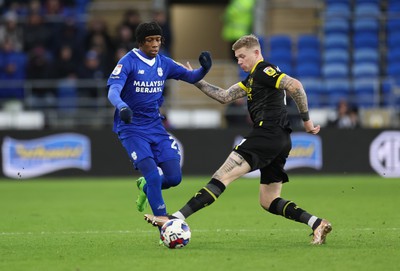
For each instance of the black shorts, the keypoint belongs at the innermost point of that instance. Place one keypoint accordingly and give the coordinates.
(266, 149)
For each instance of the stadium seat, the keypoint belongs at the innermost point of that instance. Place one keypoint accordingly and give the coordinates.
(305, 41)
(368, 40)
(337, 10)
(393, 56)
(337, 41)
(364, 70)
(365, 55)
(393, 40)
(336, 90)
(366, 92)
(370, 10)
(280, 42)
(308, 69)
(393, 70)
(314, 90)
(363, 25)
(308, 55)
(336, 26)
(336, 56)
(335, 71)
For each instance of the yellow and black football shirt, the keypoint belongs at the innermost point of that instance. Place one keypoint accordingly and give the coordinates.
(265, 102)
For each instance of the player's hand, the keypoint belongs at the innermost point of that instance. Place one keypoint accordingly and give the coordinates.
(309, 126)
(125, 113)
(205, 60)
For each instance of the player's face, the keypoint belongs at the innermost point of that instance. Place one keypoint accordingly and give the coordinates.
(151, 45)
(246, 58)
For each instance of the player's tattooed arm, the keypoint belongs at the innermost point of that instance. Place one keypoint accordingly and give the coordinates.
(219, 94)
(296, 91)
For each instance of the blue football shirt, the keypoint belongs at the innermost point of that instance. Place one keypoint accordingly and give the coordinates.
(143, 82)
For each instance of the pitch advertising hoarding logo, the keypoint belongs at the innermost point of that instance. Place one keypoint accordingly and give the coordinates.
(36, 157)
(384, 154)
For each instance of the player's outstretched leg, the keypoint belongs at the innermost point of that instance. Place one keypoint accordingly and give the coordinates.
(320, 233)
(141, 201)
(157, 221)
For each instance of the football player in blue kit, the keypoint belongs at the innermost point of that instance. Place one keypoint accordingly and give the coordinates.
(136, 90)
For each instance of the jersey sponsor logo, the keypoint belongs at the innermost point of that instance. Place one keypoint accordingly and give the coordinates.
(140, 72)
(148, 86)
(160, 71)
(117, 69)
(270, 71)
(384, 154)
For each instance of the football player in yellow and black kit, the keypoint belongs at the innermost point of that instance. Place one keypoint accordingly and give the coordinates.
(268, 144)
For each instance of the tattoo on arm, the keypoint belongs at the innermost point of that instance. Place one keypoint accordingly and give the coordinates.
(296, 91)
(221, 95)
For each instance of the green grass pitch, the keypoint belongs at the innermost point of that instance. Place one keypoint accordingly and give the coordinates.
(92, 224)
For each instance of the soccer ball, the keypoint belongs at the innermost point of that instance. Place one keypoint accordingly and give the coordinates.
(175, 233)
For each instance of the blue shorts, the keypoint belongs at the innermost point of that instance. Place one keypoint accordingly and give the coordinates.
(155, 142)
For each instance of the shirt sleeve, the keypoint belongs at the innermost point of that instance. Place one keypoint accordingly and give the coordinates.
(270, 76)
(179, 72)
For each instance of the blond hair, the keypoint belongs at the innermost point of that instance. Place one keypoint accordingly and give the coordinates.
(248, 41)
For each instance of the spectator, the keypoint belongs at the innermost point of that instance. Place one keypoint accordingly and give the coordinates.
(161, 17)
(39, 67)
(124, 38)
(132, 19)
(12, 67)
(346, 116)
(36, 33)
(237, 21)
(91, 69)
(11, 30)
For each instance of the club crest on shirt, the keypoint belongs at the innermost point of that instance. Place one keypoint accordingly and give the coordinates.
(160, 71)
(270, 71)
(117, 69)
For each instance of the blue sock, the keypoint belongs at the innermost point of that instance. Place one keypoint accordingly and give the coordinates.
(153, 192)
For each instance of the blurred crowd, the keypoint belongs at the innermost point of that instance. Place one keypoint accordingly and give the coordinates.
(55, 39)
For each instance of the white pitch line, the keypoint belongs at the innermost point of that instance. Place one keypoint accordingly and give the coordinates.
(194, 230)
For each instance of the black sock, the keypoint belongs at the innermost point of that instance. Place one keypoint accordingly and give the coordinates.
(206, 196)
(290, 210)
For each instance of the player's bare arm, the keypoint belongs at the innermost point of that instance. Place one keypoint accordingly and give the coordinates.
(221, 95)
(296, 91)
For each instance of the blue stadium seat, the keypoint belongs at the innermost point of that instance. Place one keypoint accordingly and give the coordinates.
(370, 10)
(393, 8)
(366, 92)
(308, 55)
(336, 26)
(366, 55)
(393, 70)
(336, 56)
(308, 69)
(393, 56)
(392, 25)
(337, 90)
(366, 25)
(365, 40)
(337, 10)
(393, 40)
(337, 41)
(280, 42)
(307, 41)
(314, 89)
(364, 70)
(335, 71)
